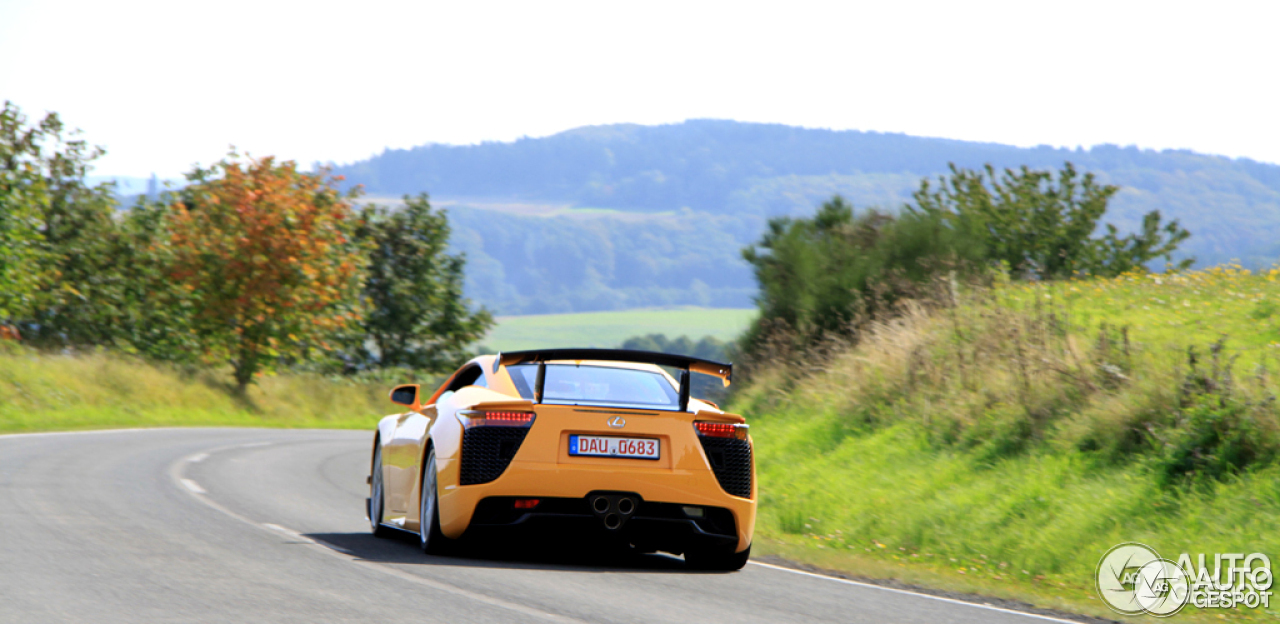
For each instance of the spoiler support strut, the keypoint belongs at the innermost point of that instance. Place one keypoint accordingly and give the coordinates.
(686, 380)
(540, 382)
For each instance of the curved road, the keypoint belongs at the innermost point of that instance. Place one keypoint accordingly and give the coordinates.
(250, 525)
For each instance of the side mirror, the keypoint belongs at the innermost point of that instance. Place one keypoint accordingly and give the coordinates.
(406, 395)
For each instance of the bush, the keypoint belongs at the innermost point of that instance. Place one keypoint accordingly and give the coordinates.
(829, 275)
(1215, 433)
(1043, 228)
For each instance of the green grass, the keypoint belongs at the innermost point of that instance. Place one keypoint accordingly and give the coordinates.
(610, 329)
(1001, 447)
(1031, 527)
(41, 392)
(1174, 310)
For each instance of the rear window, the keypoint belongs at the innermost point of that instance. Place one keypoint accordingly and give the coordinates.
(569, 384)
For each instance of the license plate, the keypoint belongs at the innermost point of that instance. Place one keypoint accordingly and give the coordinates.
(602, 446)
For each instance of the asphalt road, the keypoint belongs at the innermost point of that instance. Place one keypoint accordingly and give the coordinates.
(242, 525)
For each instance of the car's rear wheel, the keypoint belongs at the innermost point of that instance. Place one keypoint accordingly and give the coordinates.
(716, 560)
(376, 495)
(433, 542)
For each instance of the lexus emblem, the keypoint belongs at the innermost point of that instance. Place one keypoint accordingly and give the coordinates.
(617, 422)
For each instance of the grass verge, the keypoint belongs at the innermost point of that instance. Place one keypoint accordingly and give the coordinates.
(1031, 528)
(41, 392)
(1001, 447)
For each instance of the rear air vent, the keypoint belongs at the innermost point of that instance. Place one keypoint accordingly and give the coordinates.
(487, 451)
(731, 462)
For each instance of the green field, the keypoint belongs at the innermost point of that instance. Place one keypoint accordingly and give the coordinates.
(610, 329)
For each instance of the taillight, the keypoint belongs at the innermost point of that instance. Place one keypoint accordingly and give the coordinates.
(476, 418)
(721, 430)
(525, 503)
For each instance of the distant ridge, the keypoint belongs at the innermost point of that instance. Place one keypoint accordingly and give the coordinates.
(702, 161)
(733, 176)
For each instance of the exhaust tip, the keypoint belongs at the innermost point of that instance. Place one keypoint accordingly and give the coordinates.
(626, 506)
(612, 521)
(600, 504)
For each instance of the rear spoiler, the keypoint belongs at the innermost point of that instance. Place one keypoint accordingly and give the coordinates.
(684, 363)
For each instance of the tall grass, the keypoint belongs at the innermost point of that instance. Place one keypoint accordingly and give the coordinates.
(1003, 443)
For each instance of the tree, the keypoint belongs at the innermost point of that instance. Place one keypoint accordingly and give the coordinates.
(824, 275)
(1043, 228)
(23, 191)
(98, 274)
(417, 316)
(828, 274)
(80, 241)
(153, 313)
(1120, 254)
(266, 254)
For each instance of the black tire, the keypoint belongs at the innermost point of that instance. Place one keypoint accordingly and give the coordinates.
(716, 560)
(432, 541)
(377, 496)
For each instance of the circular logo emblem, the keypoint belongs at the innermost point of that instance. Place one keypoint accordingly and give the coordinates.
(1132, 579)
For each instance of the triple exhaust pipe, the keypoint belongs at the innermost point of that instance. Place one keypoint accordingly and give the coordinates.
(614, 510)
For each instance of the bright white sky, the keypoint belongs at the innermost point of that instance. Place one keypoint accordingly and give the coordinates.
(169, 83)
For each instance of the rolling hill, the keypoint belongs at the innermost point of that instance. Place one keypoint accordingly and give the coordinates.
(626, 216)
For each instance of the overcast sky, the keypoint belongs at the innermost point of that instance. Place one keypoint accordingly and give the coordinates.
(166, 84)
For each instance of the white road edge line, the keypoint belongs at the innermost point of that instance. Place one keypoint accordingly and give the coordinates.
(176, 472)
(198, 457)
(254, 445)
(287, 531)
(911, 593)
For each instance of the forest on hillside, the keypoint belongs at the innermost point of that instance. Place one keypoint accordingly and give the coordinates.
(682, 200)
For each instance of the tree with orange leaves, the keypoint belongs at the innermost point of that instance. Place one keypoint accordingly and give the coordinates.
(267, 255)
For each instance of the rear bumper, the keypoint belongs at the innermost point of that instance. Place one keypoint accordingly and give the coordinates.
(657, 485)
(654, 526)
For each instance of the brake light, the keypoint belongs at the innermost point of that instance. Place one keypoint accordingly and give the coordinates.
(476, 418)
(526, 503)
(721, 430)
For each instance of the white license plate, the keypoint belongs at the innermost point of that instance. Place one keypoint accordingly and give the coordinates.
(602, 446)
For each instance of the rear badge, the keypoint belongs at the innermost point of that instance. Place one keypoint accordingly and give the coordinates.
(617, 422)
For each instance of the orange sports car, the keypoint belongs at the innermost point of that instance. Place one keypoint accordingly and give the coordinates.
(593, 442)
